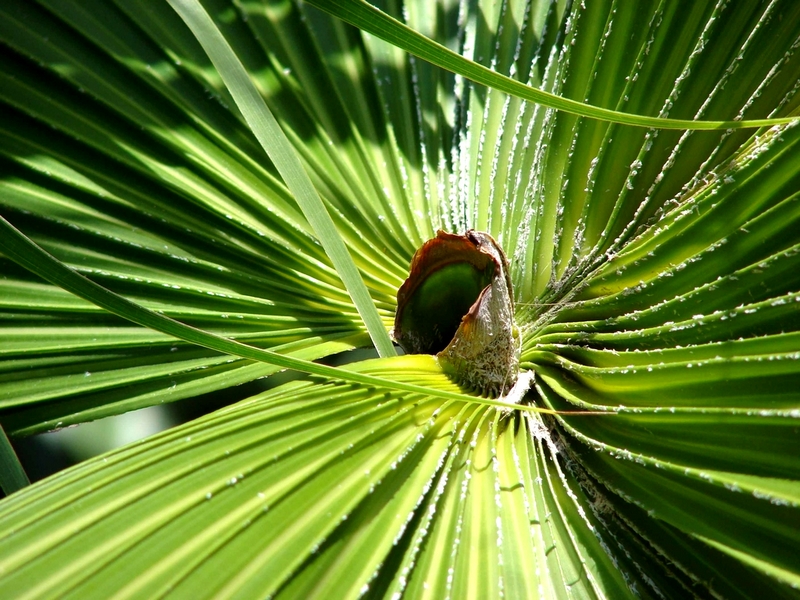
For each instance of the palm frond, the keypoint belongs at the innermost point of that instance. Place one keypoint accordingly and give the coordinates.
(655, 274)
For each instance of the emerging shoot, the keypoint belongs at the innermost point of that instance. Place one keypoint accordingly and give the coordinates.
(457, 303)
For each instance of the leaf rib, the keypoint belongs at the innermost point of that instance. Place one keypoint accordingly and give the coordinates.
(275, 143)
(372, 20)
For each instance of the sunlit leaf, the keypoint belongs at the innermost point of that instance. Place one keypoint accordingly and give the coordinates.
(655, 274)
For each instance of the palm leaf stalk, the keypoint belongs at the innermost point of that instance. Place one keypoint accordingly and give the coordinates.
(655, 275)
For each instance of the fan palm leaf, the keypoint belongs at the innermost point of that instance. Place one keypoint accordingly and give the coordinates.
(655, 275)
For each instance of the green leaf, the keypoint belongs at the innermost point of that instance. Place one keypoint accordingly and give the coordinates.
(368, 18)
(23, 251)
(277, 146)
(655, 276)
(12, 474)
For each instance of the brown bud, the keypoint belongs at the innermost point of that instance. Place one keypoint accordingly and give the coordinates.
(457, 303)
